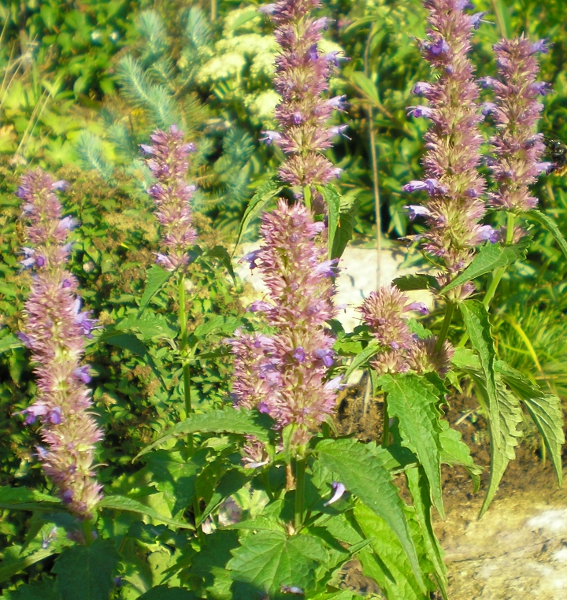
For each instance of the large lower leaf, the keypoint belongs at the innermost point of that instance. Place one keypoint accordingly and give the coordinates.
(419, 489)
(388, 564)
(503, 437)
(476, 321)
(545, 411)
(162, 592)
(131, 505)
(488, 258)
(240, 421)
(86, 572)
(413, 401)
(455, 452)
(361, 473)
(270, 560)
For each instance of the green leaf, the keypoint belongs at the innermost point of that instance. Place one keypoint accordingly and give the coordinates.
(240, 421)
(362, 358)
(86, 572)
(13, 567)
(552, 227)
(360, 472)
(366, 86)
(455, 452)
(503, 19)
(24, 499)
(346, 225)
(413, 400)
(8, 342)
(43, 590)
(420, 281)
(162, 592)
(489, 258)
(419, 489)
(156, 279)
(509, 415)
(217, 324)
(149, 325)
(269, 560)
(476, 321)
(230, 483)
(333, 201)
(545, 411)
(262, 196)
(220, 253)
(131, 505)
(388, 565)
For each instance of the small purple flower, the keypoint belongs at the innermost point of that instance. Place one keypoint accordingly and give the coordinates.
(326, 355)
(416, 210)
(476, 19)
(419, 111)
(540, 46)
(418, 307)
(422, 88)
(251, 258)
(338, 491)
(487, 108)
(299, 354)
(270, 137)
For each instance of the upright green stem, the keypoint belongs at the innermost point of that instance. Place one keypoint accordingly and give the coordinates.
(449, 310)
(184, 357)
(299, 491)
(385, 423)
(88, 531)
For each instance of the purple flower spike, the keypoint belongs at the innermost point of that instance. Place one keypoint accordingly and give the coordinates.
(302, 78)
(172, 195)
(52, 312)
(268, 370)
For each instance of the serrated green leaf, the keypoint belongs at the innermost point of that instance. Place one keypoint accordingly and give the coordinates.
(156, 278)
(413, 400)
(552, 227)
(421, 496)
(388, 565)
(455, 452)
(476, 321)
(86, 572)
(8, 342)
(43, 590)
(24, 499)
(219, 325)
(258, 524)
(357, 468)
(268, 560)
(509, 415)
(346, 225)
(240, 421)
(488, 258)
(262, 196)
(362, 358)
(544, 409)
(131, 505)
(230, 483)
(466, 359)
(419, 281)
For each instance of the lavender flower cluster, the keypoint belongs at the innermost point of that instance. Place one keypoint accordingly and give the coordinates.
(455, 206)
(55, 332)
(282, 374)
(172, 195)
(385, 312)
(302, 76)
(516, 111)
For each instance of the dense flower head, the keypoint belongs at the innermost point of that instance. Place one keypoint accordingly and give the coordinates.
(283, 374)
(386, 314)
(168, 161)
(455, 188)
(55, 331)
(516, 111)
(302, 76)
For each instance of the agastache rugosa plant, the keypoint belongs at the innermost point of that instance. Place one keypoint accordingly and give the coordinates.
(455, 187)
(55, 331)
(302, 76)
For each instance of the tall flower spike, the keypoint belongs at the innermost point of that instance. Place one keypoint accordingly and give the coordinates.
(55, 331)
(168, 161)
(454, 207)
(517, 147)
(302, 76)
(283, 375)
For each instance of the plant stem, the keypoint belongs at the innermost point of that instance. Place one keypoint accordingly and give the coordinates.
(299, 491)
(184, 358)
(385, 423)
(450, 309)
